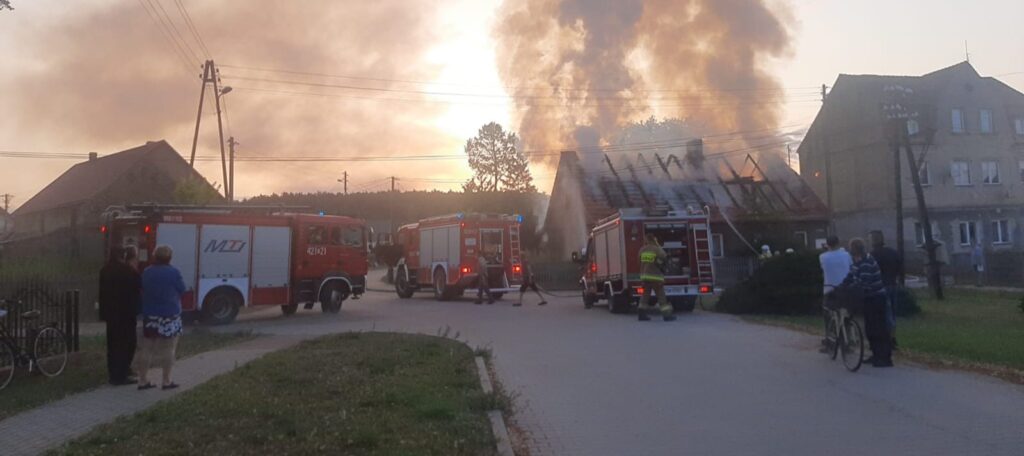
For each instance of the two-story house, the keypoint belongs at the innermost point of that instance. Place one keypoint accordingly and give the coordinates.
(969, 132)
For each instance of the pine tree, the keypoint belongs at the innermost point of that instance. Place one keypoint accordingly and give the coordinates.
(496, 162)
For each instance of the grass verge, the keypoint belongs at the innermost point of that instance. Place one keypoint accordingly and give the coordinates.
(977, 330)
(354, 393)
(87, 369)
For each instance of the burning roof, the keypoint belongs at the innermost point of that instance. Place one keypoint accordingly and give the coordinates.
(740, 187)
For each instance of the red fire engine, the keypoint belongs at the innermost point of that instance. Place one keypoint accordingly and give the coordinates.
(612, 264)
(235, 256)
(441, 255)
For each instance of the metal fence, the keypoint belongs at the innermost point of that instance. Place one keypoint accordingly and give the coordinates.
(57, 306)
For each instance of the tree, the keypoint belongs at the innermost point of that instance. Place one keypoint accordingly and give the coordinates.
(497, 162)
(5, 4)
(195, 191)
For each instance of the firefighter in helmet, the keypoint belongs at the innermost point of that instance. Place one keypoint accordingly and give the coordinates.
(652, 258)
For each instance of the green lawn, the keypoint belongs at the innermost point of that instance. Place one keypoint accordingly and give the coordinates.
(87, 369)
(973, 328)
(355, 393)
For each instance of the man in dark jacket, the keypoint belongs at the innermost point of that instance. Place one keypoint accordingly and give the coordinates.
(891, 264)
(120, 296)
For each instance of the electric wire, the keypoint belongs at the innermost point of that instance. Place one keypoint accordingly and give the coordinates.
(168, 40)
(177, 33)
(192, 27)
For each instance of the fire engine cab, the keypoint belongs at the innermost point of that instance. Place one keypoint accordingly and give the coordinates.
(611, 261)
(440, 254)
(238, 256)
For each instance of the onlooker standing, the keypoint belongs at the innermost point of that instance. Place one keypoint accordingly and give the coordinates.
(978, 263)
(865, 275)
(119, 299)
(835, 266)
(891, 264)
(529, 283)
(483, 279)
(162, 287)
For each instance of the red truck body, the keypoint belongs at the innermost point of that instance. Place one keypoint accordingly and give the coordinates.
(611, 262)
(441, 255)
(234, 257)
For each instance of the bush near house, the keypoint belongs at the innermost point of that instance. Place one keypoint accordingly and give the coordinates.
(788, 284)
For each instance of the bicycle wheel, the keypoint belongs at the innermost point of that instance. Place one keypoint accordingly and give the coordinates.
(852, 345)
(6, 365)
(50, 350)
(832, 336)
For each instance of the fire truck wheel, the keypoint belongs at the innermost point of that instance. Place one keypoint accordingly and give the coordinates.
(333, 295)
(221, 306)
(497, 296)
(683, 303)
(289, 309)
(588, 299)
(402, 286)
(441, 289)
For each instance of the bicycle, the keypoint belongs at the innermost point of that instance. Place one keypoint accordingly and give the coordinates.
(843, 335)
(49, 348)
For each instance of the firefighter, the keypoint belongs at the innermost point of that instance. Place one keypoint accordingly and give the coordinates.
(652, 257)
(483, 285)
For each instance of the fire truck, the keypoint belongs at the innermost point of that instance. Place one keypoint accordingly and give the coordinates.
(440, 254)
(611, 261)
(236, 256)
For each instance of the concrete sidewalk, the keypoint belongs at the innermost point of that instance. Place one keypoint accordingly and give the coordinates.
(49, 426)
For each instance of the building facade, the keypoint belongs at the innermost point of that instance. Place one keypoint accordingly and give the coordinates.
(968, 133)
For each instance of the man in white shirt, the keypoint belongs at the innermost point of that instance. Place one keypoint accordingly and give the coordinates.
(835, 266)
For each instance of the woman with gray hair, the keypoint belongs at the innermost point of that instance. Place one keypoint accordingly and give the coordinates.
(162, 287)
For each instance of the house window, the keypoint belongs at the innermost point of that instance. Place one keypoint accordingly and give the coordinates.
(913, 127)
(1000, 231)
(1019, 126)
(989, 172)
(968, 233)
(801, 238)
(717, 246)
(985, 118)
(958, 121)
(1020, 169)
(924, 174)
(961, 172)
(918, 234)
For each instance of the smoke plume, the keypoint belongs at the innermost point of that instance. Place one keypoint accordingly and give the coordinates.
(602, 63)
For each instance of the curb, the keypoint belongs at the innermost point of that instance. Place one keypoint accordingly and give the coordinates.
(497, 421)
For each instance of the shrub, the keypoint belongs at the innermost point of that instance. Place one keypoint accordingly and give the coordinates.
(906, 303)
(788, 284)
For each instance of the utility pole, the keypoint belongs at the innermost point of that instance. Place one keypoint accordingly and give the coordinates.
(211, 75)
(898, 125)
(789, 155)
(344, 181)
(231, 168)
(828, 167)
(393, 178)
(7, 202)
(897, 110)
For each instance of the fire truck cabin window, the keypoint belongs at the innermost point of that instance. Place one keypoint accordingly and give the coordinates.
(347, 236)
(316, 235)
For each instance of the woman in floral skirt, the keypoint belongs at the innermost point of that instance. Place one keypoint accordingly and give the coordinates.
(162, 287)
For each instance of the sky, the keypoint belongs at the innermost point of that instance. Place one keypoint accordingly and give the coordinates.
(103, 76)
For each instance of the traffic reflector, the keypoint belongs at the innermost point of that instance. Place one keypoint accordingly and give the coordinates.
(705, 289)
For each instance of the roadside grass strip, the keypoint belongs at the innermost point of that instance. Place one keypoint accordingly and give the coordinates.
(87, 369)
(352, 393)
(977, 330)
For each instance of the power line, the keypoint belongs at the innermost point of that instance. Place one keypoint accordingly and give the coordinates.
(441, 83)
(168, 40)
(192, 27)
(465, 94)
(177, 33)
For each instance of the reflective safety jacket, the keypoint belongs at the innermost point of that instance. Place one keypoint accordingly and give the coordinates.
(651, 259)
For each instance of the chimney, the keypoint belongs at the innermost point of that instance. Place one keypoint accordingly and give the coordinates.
(93, 156)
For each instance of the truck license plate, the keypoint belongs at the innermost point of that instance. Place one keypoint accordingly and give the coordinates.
(674, 290)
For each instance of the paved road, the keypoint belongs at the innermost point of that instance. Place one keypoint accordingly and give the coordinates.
(592, 383)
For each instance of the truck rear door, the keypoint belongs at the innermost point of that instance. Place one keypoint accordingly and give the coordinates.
(675, 240)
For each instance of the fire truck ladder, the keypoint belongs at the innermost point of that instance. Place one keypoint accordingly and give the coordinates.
(702, 239)
(513, 236)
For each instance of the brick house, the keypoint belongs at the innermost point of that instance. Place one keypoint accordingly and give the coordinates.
(766, 205)
(64, 217)
(970, 131)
